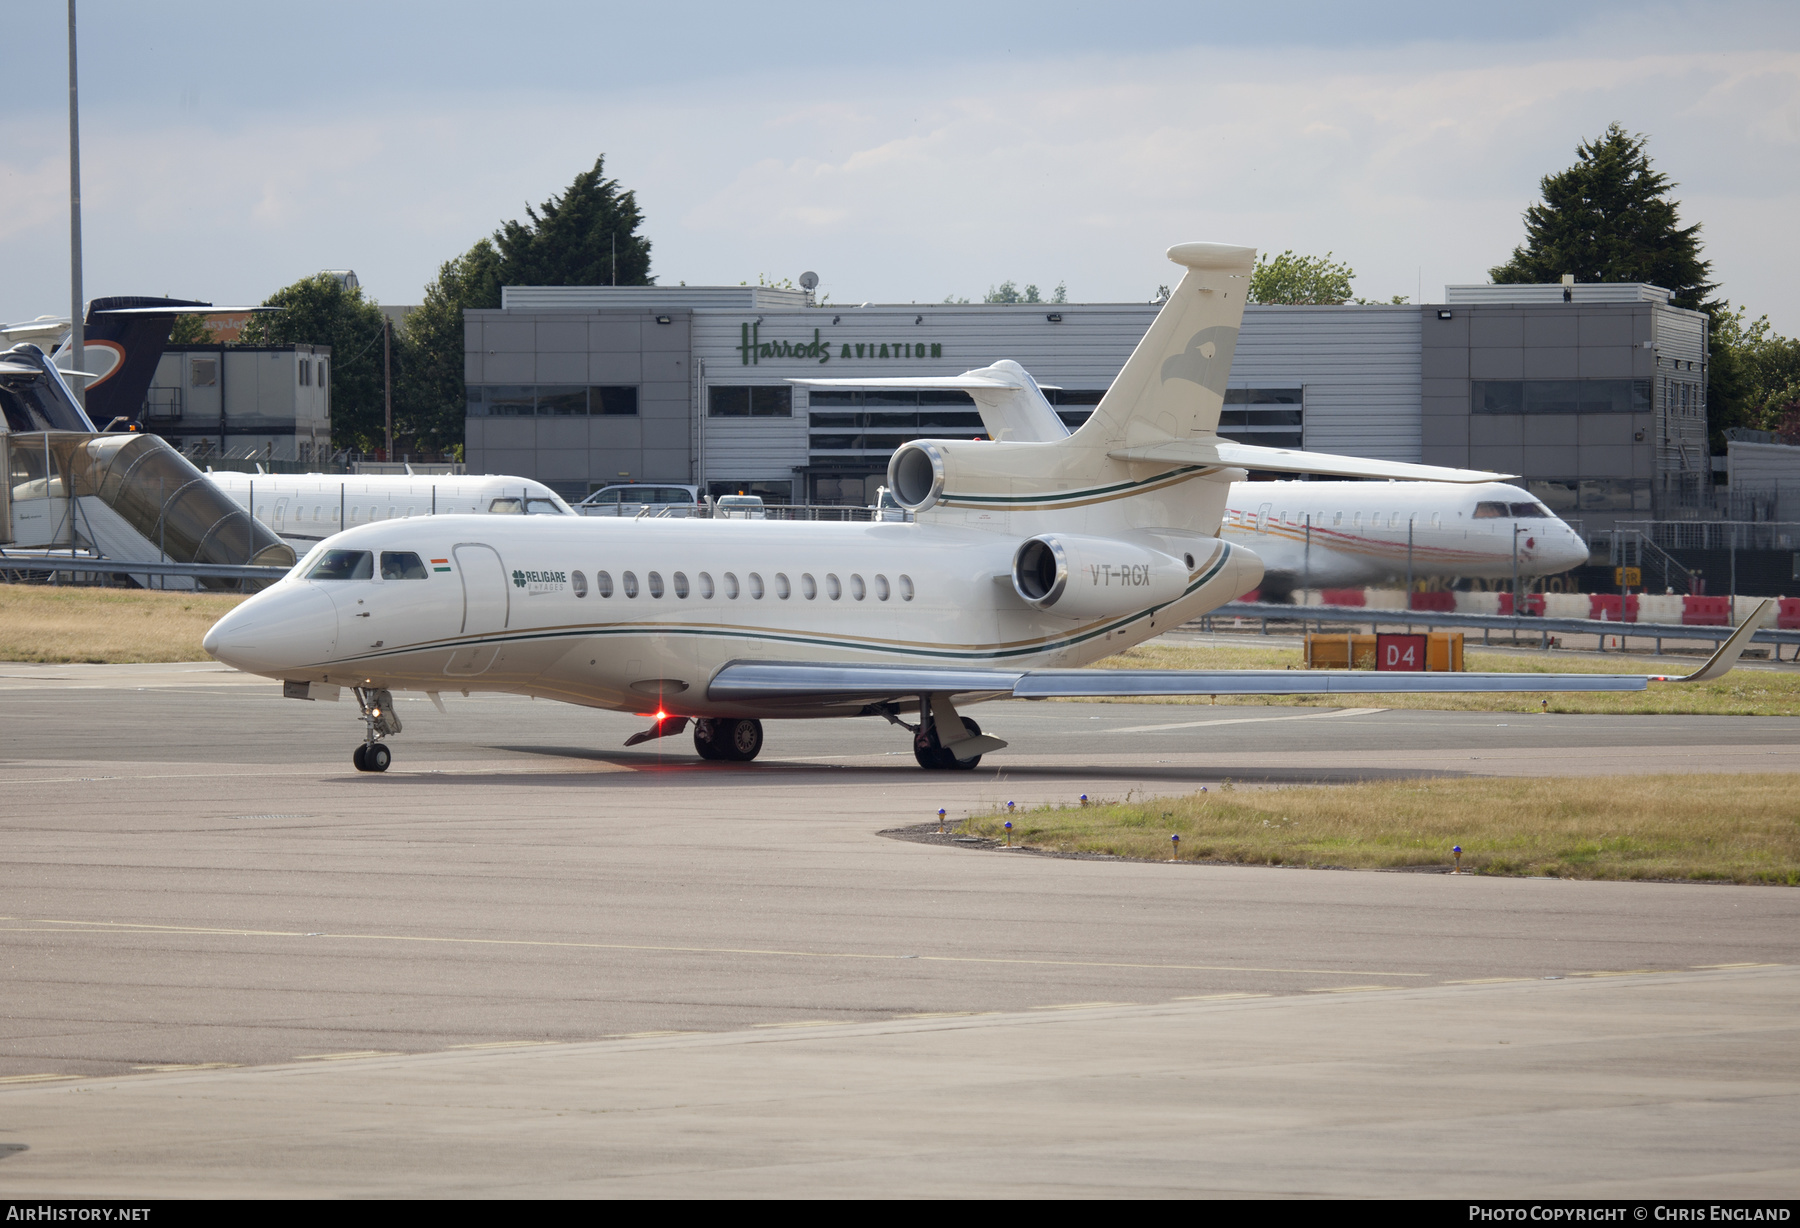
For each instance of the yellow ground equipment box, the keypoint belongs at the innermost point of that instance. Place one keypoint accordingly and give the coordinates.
(1443, 651)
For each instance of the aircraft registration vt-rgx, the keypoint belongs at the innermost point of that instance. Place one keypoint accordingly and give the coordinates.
(1027, 559)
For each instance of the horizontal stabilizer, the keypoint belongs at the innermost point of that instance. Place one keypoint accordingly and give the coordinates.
(1212, 450)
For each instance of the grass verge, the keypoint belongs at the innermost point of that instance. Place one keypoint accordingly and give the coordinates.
(1741, 829)
(105, 626)
(1743, 692)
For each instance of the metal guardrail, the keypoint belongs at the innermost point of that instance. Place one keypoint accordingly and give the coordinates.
(87, 564)
(1532, 626)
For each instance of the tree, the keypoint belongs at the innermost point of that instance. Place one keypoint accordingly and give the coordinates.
(1764, 370)
(318, 310)
(190, 330)
(1609, 218)
(587, 236)
(1307, 280)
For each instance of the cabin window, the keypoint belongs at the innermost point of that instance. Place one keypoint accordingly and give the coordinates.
(1337, 518)
(334, 514)
(881, 588)
(344, 565)
(681, 584)
(833, 589)
(505, 507)
(398, 566)
(603, 582)
(656, 585)
(578, 583)
(731, 586)
(783, 589)
(1437, 520)
(318, 514)
(1530, 511)
(630, 583)
(906, 588)
(409, 513)
(354, 513)
(706, 586)
(756, 587)
(1356, 521)
(858, 589)
(1490, 511)
(809, 587)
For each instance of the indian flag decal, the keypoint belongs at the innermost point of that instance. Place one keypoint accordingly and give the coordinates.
(440, 564)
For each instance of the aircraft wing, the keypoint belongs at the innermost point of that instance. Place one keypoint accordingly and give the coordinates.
(1213, 450)
(829, 682)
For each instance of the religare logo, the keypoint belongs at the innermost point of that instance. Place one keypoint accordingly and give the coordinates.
(752, 349)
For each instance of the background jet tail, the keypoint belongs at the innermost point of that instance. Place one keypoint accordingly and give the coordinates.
(123, 337)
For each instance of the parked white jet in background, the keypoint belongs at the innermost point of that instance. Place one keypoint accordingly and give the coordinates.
(305, 508)
(1025, 561)
(1313, 535)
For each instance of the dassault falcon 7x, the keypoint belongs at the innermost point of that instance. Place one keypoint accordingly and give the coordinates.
(1027, 559)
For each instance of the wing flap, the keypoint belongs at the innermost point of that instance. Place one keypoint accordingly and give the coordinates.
(1151, 683)
(800, 681)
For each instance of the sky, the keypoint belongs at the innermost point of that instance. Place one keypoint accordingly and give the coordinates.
(904, 152)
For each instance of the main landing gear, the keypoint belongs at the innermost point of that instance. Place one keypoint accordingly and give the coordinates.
(738, 741)
(933, 745)
(380, 721)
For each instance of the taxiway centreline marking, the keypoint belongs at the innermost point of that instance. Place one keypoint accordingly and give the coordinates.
(126, 927)
(1247, 720)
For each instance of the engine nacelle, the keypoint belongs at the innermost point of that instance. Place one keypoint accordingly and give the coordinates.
(1093, 577)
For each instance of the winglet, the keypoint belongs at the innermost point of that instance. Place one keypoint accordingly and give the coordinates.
(1729, 651)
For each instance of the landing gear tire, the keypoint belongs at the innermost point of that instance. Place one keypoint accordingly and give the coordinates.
(356, 757)
(934, 758)
(738, 741)
(376, 757)
(708, 742)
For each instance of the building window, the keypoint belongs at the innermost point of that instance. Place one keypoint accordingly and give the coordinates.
(768, 492)
(548, 400)
(1273, 417)
(1560, 396)
(750, 401)
(203, 373)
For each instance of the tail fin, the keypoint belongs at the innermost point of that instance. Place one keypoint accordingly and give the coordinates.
(1173, 386)
(135, 329)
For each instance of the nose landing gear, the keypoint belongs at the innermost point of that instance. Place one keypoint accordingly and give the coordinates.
(380, 721)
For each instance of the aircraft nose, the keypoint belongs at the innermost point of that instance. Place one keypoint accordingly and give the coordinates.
(285, 628)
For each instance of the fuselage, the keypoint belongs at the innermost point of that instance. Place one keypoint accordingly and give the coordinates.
(638, 615)
(306, 508)
(1342, 534)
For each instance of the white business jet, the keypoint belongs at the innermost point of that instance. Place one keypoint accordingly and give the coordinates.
(304, 509)
(1026, 560)
(1316, 534)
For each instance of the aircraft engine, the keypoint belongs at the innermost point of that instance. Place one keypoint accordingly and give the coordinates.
(1093, 577)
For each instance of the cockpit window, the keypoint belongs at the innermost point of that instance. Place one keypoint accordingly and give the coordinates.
(344, 565)
(1490, 511)
(542, 507)
(397, 566)
(505, 507)
(1531, 511)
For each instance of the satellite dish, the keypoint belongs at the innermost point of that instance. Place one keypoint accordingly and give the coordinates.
(809, 280)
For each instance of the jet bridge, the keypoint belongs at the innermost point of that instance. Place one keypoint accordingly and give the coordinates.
(125, 497)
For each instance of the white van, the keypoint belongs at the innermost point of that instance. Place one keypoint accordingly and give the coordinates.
(662, 499)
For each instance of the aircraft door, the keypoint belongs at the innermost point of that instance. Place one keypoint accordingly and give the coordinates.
(486, 602)
(486, 607)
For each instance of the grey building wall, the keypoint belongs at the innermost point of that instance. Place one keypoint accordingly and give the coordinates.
(1596, 467)
(579, 349)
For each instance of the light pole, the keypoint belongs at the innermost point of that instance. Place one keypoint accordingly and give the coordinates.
(1515, 594)
(1409, 560)
(387, 385)
(77, 329)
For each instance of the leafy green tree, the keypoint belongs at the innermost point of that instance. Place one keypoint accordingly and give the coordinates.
(586, 236)
(318, 310)
(1305, 280)
(1765, 369)
(1609, 218)
(190, 330)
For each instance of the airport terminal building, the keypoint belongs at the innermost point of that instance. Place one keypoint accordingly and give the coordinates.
(1596, 398)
